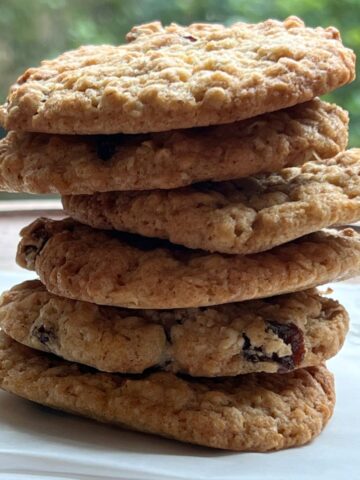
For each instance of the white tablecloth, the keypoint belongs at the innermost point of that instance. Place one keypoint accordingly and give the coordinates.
(38, 443)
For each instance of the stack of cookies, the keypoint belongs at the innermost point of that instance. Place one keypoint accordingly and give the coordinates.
(198, 168)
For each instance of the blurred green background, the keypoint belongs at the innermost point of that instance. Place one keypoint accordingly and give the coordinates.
(31, 30)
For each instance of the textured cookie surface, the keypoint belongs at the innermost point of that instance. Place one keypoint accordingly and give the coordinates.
(243, 216)
(278, 334)
(120, 269)
(255, 412)
(179, 77)
(42, 163)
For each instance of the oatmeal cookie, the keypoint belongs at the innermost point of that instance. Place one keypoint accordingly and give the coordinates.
(241, 216)
(256, 412)
(43, 163)
(179, 77)
(120, 269)
(278, 334)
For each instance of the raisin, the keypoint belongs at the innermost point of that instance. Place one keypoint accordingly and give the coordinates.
(105, 148)
(106, 145)
(253, 354)
(291, 335)
(39, 238)
(190, 38)
(44, 335)
(40, 234)
(30, 250)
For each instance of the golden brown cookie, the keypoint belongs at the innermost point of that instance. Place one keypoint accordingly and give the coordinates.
(179, 77)
(42, 163)
(278, 334)
(243, 216)
(257, 412)
(119, 269)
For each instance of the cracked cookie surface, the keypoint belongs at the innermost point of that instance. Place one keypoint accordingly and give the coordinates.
(278, 334)
(42, 163)
(256, 412)
(243, 216)
(179, 77)
(120, 269)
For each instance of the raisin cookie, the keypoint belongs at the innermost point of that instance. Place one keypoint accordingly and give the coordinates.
(42, 163)
(120, 269)
(256, 412)
(179, 77)
(274, 335)
(243, 216)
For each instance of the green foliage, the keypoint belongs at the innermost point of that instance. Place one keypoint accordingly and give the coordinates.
(31, 30)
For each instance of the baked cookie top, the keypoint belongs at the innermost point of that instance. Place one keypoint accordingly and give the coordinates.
(42, 163)
(241, 216)
(179, 77)
(256, 412)
(119, 269)
(277, 334)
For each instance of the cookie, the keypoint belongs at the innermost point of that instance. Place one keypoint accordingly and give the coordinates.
(256, 412)
(242, 216)
(274, 335)
(179, 77)
(119, 269)
(41, 163)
